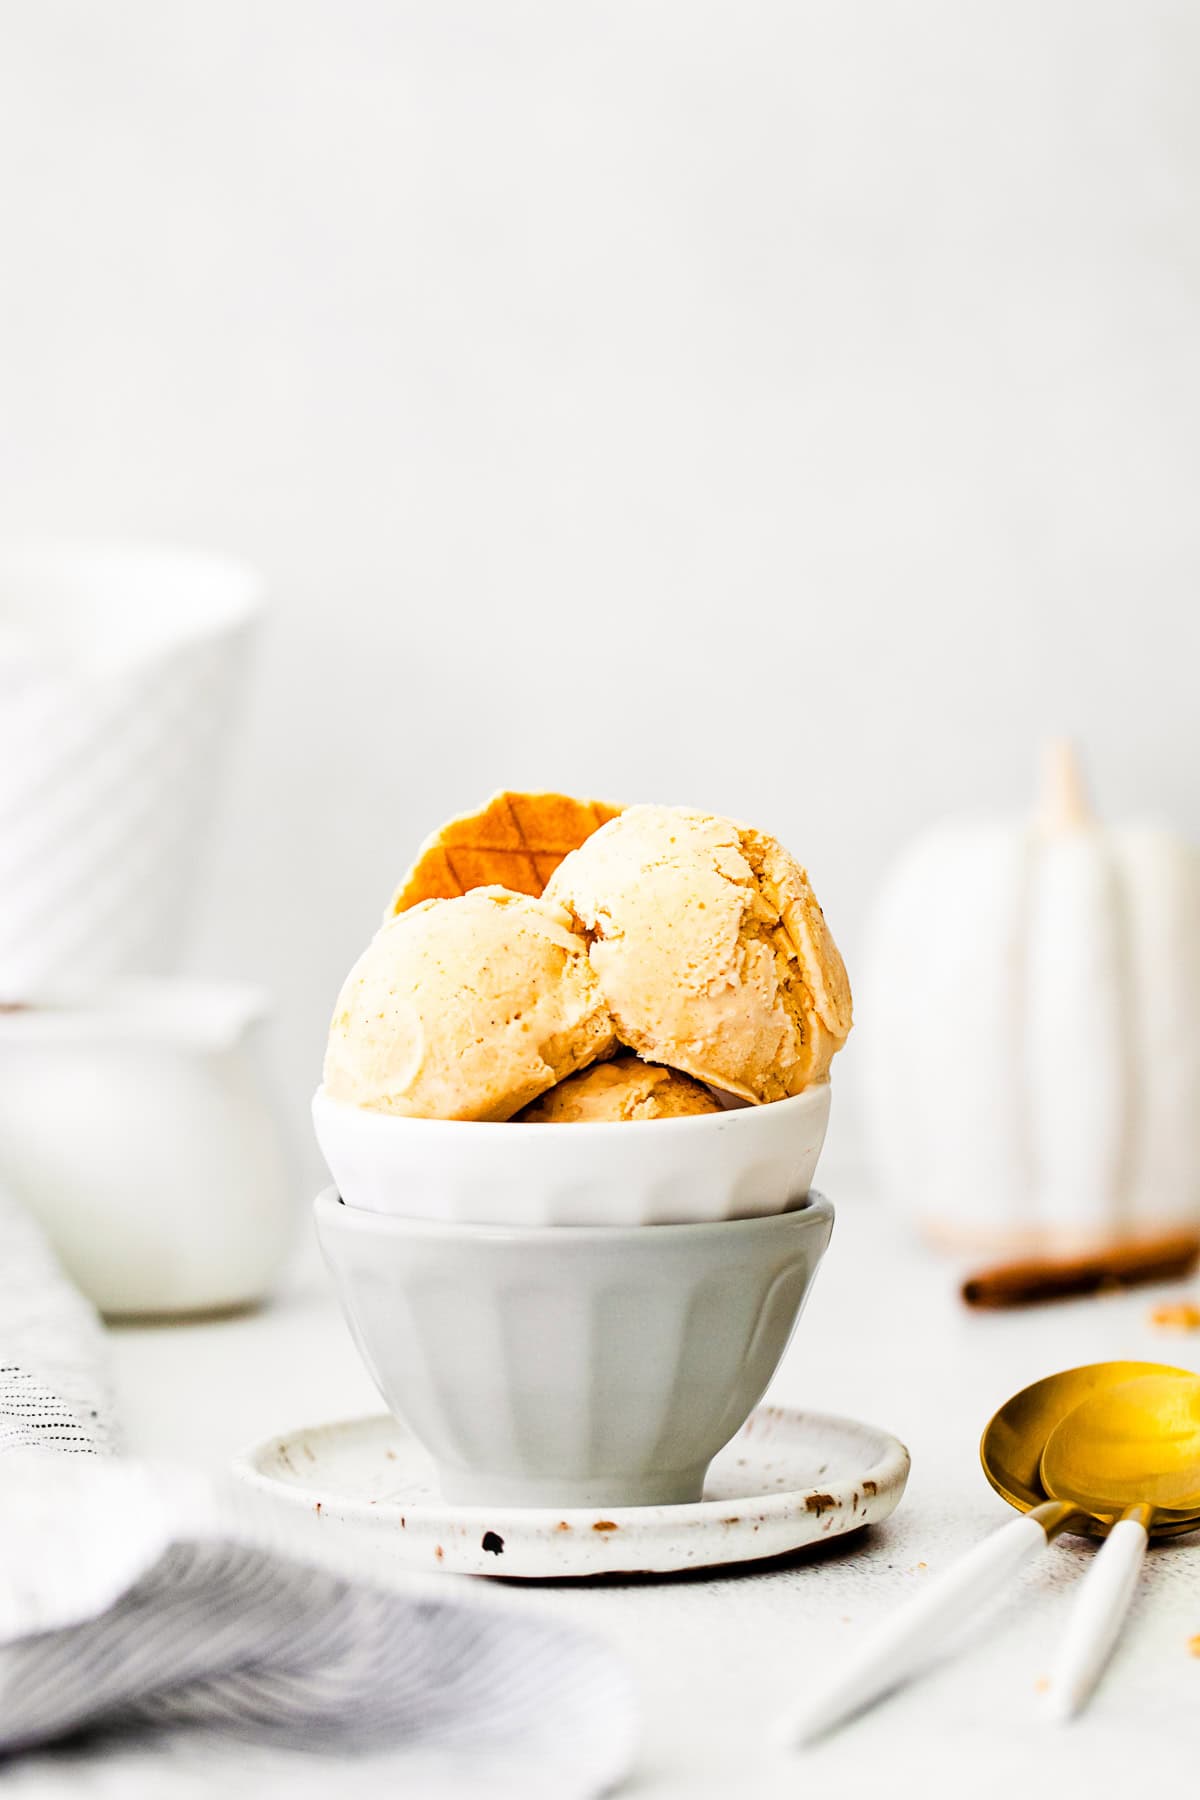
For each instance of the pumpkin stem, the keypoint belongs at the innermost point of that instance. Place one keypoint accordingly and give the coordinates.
(1064, 800)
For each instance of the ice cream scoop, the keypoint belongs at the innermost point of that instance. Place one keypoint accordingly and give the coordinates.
(626, 1088)
(466, 1009)
(710, 949)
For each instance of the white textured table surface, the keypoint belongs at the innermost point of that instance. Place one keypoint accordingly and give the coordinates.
(884, 1339)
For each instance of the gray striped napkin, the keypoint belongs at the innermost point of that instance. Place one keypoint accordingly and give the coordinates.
(137, 1608)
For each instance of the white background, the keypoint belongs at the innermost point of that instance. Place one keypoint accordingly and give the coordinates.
(790, 409)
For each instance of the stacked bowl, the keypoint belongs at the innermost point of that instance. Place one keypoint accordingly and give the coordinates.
(567, 1317)
(574, 1316)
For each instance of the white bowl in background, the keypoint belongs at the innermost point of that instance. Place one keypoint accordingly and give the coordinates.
(119, 670)
(739, 1164)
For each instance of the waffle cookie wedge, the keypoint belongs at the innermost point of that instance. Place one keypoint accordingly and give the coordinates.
(515, 841)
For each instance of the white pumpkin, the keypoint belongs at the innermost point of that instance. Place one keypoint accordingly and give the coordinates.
(1029, 1029)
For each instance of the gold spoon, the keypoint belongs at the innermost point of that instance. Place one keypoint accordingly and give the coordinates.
(1130, 1457)
(1011, 1453)
(1015, 1437)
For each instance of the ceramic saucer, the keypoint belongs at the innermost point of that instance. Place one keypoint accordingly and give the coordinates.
(786, 1480)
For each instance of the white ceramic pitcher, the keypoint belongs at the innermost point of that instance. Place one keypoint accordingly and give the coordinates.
(136, 1127)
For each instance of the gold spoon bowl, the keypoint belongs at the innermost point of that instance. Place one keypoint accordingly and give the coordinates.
(1015, 1438)
(1133, 1445)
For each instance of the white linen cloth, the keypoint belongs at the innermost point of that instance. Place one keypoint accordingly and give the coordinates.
(139, 1609)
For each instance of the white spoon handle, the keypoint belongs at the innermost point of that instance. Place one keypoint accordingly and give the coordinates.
(917, 1630)
(1108, 1588)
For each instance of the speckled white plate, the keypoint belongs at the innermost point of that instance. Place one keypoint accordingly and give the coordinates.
(786, 1480)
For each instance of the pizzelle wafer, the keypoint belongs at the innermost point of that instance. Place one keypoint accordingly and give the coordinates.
(516, 841)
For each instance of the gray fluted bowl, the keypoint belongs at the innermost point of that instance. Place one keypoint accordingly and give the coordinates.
(582, 1366)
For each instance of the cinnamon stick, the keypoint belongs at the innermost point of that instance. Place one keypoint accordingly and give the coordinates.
(1039, 1279)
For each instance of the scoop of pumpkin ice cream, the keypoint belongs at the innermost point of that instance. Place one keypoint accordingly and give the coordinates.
(466, 1009)
(710, 949)
(626, 1088)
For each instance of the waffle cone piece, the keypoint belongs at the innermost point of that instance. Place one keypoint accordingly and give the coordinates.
(516, 842)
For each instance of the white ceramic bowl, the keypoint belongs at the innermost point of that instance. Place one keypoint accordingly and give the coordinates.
(572, 1368)
(729, 1165)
